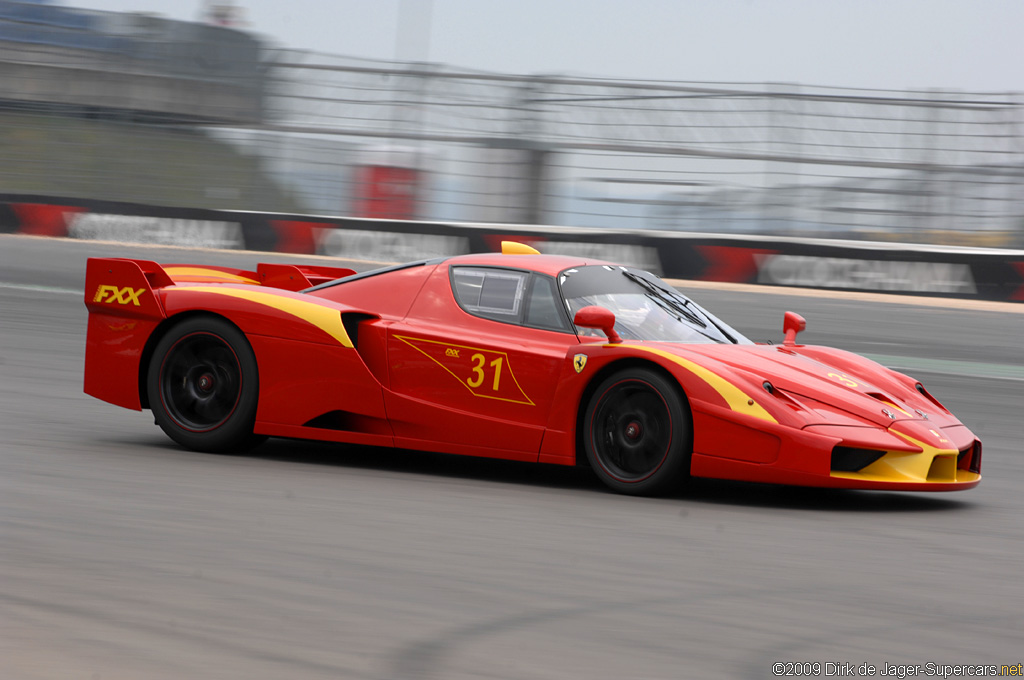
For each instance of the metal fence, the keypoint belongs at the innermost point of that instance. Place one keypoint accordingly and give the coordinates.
(340, 135)
(734, 158)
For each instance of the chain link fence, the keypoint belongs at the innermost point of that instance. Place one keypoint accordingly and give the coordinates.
(324, 134)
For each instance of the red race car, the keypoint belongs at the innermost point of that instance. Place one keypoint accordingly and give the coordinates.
(514, 355)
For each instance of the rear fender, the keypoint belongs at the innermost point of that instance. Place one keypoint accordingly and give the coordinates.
(269, 312)
(306, 350)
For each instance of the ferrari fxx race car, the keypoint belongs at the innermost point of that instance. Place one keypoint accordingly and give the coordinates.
(512, 355)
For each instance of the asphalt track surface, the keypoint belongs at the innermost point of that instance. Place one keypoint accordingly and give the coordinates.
(124, 556)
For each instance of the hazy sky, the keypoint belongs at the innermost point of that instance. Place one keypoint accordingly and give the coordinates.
(973, 45)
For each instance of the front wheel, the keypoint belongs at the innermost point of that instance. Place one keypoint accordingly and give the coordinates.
(203, 386)
(637, 432)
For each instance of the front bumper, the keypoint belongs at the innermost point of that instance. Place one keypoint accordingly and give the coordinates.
(911, 455)
(925, 459)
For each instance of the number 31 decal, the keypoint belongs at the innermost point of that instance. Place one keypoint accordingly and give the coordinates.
(478, 371)
(484, 372)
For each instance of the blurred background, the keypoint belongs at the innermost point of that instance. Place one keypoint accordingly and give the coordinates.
(205, 109)
(874, 120)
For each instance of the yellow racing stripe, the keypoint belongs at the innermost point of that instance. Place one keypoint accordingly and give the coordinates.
(737, 399)
(325, 318)
(204, 273)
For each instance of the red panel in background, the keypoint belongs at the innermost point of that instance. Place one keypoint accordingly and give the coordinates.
(295, 237)
(386, 192)
(730, 264)
(1019, 293)
(38, 219)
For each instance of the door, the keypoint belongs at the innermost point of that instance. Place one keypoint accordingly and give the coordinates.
(474, 365)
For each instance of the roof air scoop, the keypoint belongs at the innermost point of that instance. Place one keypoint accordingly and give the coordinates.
(516, 248)
(792, 324)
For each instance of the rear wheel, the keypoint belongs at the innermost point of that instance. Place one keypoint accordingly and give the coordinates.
(203, 386)
(637, 432)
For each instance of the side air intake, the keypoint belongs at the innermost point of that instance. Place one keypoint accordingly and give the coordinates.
(346, 421)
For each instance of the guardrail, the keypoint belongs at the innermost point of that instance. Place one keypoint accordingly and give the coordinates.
(128, 66)
(979, 273)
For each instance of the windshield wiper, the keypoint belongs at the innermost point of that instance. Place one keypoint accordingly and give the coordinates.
(678, 305)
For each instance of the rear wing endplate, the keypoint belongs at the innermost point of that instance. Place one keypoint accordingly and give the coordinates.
(123, 287)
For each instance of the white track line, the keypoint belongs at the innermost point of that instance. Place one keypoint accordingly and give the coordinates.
(918, 300)
(967, 369)
(41, 289)
(231, 251)
(945, 303)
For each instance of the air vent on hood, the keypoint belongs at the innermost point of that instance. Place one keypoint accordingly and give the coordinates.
(928, 395)
(890, 403)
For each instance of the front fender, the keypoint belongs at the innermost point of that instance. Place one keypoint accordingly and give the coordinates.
(710, 387)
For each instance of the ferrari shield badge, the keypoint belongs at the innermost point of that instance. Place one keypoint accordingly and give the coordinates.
(579, 361)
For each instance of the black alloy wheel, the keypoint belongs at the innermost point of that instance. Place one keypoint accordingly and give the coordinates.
(203, 386)
(637, 432)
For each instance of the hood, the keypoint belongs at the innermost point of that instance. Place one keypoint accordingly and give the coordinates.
(825, 385)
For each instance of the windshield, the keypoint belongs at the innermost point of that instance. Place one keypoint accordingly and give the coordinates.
(645, 307)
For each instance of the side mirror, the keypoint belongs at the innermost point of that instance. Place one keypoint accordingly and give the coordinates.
(792, 324)
(600, 318)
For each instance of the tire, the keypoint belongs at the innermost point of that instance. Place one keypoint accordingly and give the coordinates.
(638, 432)
(203, 386)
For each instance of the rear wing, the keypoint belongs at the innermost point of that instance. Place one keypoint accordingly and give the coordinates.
(285, 276)
(298, 277)
(124, 287)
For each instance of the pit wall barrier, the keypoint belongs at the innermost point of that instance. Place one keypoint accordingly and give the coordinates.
(978, 273)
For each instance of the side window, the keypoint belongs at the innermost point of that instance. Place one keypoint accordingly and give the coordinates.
(491, 293)
(542, 309)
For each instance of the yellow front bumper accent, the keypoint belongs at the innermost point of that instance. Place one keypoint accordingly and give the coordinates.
(931, 464)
